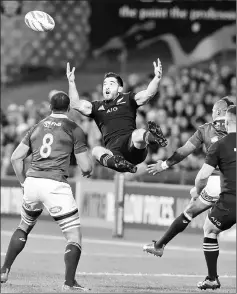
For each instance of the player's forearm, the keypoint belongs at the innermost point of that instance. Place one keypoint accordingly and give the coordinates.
(73, 95)
(18, 166)
(152, 88)
(176, 157)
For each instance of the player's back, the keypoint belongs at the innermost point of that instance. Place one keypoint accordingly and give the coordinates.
(227, 165)
(51, 142)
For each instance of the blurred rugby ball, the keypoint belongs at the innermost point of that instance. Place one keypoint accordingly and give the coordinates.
(39, 21)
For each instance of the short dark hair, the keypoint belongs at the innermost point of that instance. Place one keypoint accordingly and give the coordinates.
(228, 101)
(59, 101)
(232, 109)
(116, 76)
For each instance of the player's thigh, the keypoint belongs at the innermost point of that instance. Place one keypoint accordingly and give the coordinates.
(196, 207)
(210, 194)
(98, 151)
(32, 207)
(61, 205)
(223, 216)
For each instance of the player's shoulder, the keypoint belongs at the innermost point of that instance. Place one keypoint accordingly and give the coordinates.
(205, 127)
(128, 95)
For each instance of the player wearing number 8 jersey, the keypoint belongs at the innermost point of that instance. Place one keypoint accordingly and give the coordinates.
(51, 143)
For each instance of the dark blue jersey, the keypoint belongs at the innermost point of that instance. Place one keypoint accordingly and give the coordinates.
(115, 118)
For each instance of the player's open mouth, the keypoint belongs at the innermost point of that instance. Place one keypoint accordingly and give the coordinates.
(107, 92)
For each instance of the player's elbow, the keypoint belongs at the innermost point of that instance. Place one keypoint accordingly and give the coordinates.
(14, 157)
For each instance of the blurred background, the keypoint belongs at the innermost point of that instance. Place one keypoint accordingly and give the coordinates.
(195, 40)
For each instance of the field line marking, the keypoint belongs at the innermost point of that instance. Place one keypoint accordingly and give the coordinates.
(149, 275)
(112, 255)
(118, 243)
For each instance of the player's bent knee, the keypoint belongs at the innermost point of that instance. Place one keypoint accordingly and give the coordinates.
(28, 218)
(98, 151)
(138, 139)
(70, 226)
(209, 229)
(196, 207)
(73, 235)
(137, 136)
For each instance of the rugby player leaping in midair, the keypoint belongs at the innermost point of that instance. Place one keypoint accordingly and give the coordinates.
(115, 116)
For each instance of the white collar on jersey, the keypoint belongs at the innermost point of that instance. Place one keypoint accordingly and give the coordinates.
(58, 115)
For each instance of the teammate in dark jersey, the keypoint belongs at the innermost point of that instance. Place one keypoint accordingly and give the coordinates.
(206, 134)
(222, 216)
(51, 143)
(115, 116)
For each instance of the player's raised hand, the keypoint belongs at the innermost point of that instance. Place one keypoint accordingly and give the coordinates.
(70, 73)
(155, 168)
(158, 68)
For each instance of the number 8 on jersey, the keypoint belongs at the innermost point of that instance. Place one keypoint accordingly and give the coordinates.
(46, 149)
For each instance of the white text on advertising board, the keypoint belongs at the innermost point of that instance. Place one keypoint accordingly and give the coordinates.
(148, 209)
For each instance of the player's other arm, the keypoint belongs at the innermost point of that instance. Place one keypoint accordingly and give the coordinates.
(81, 152)
(144, 96)
(84, 161)
(83, 106)
(17, 160)
(211, 162)
(179, 155)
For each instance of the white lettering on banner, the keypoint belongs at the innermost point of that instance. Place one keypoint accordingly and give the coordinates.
(149, 209)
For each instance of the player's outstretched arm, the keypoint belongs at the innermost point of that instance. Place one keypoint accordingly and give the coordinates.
(143, 97)
(179, 155)
(84, 161)
(17, 160)
(83, 106)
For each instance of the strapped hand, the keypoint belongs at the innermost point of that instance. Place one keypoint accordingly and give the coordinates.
(158, 68)
(70, 74)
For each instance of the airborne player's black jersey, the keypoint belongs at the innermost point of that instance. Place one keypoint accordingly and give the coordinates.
(115, 118)
(223, 154)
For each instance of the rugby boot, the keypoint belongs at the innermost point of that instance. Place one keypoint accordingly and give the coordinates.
(75, 287)
(123, 165)
(209, 284)
(152, 249)
(157, 133)
(4, 275)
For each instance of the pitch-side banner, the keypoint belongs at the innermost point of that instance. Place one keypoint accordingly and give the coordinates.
(191, 31)
(157, 205)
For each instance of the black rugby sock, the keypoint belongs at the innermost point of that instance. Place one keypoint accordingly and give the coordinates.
(177, 226)
(71, 258)
(16, 245)
(149, 138)
(211, 252)
(109, 161)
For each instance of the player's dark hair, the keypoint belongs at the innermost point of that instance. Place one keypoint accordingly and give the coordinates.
(228, 101)
(116, 76)
(232, 109)
(59, 102)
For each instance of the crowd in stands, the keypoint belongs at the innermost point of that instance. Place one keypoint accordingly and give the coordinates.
(184, 102)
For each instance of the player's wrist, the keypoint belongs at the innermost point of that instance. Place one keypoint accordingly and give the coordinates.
(164, 165)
